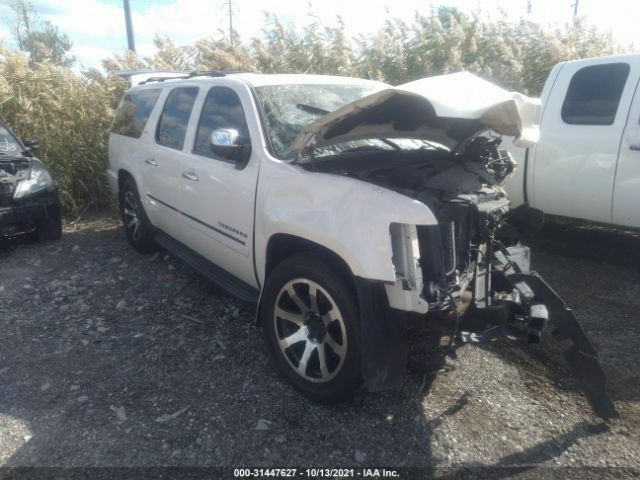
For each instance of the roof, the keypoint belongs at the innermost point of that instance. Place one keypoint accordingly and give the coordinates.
(261, 79)
(139, 77)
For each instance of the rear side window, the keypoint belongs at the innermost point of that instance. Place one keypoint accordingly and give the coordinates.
(134, 111)
(222, 109)
(594, 94)
(172, 126)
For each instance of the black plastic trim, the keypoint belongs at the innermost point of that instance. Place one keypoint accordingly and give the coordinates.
(383, 337)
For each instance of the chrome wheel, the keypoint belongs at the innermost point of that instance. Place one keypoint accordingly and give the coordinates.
(130, 215)
(310, 330)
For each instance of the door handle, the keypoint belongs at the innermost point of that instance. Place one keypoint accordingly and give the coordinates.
(635, 147)
(151, 161)
(190, 175)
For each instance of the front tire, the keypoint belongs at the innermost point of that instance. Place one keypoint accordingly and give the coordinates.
(311, 323)
(136, 223)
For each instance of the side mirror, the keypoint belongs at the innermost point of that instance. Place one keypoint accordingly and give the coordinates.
(31, 144)
(226, 143)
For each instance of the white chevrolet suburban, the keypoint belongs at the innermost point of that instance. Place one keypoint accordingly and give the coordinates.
(341, 207)
(586, 164)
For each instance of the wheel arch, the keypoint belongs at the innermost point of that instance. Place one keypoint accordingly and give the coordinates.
(284, 245)
(123, 175)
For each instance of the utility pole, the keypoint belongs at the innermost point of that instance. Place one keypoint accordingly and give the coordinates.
(575, 7)
(129, 26)
(229, 4)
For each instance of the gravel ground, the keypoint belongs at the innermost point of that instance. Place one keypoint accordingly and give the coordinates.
(111, 358)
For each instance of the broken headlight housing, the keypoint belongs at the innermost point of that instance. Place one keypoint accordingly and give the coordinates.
(39, 179)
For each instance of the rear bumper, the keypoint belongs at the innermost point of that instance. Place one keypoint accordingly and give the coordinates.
(24, 216)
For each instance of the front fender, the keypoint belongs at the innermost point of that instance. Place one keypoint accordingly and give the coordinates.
(348, 216)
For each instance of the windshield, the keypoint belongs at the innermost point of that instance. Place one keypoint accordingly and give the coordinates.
(289, 108)
(8, 142)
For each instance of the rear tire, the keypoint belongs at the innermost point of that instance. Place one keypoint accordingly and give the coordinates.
(138, 228)
(311, 324)
(50, 228)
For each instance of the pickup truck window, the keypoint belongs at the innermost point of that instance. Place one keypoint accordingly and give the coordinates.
(288, 108)
(172, 126)
(594, 93)
(222, 109)
(133, 112)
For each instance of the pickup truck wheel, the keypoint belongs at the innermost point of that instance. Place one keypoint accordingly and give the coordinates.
(310, 319)
(137, 225)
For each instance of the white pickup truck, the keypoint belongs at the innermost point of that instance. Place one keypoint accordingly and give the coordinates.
(586, 164)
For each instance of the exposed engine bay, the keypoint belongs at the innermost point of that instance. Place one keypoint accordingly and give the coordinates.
(463, 192)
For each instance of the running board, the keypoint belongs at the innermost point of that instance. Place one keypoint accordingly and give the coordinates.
(217, 275)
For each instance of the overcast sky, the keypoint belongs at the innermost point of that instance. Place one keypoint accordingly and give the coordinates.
(96, 27)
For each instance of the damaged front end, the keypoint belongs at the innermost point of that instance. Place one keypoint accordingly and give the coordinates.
(433, 151)
(462, 269)
(487, 287)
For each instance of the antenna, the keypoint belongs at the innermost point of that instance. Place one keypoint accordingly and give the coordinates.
(575, 7)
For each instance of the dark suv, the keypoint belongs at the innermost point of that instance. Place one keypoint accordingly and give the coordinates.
(29, 200)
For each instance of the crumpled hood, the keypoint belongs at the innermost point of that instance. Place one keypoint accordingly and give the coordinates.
(446, 109)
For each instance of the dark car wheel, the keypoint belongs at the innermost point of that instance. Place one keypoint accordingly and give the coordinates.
(310, 318)
(50, 227)
(137, 225)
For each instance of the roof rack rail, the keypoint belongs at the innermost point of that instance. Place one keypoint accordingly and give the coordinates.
(196, 73)
(162, 79)
(207, 73)
(137, 76)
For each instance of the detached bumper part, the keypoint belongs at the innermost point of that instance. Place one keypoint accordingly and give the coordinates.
(577, 349)
(539, 305)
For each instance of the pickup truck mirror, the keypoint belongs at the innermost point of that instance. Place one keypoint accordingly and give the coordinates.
(227, 143)
(31, 144)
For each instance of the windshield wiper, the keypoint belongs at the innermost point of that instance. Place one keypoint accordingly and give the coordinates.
(311, 109)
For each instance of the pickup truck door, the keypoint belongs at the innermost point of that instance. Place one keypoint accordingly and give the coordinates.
(584, 117)
(626, 192)
(218, 192)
